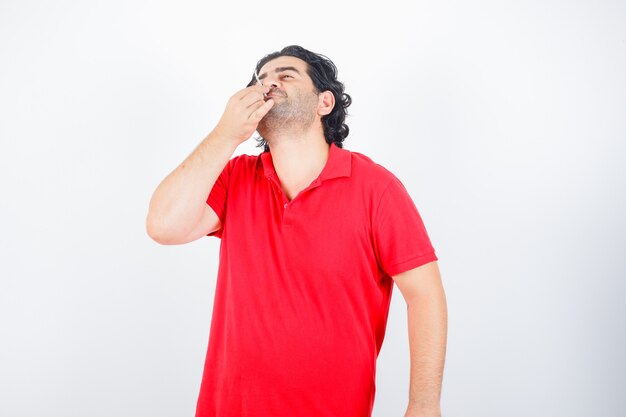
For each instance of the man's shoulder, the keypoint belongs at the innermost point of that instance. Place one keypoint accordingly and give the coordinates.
(244, 157)
(243, 161)
(364, 167)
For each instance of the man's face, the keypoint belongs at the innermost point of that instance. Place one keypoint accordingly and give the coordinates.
(291, 88)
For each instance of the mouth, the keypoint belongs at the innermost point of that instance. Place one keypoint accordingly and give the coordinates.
(273, 95)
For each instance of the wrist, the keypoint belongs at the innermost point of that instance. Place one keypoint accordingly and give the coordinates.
(218, 136)
(423, 412)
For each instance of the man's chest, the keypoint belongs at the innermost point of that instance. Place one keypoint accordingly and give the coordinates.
(326, 226)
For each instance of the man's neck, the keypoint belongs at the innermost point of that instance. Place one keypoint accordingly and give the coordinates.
(299, 160)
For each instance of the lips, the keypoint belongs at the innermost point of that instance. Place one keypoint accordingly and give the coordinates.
(273, 94)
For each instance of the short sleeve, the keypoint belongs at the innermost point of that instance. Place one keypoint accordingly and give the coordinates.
(217, 197)
(400, 239)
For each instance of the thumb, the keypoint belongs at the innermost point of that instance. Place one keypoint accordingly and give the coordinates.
(258, 114)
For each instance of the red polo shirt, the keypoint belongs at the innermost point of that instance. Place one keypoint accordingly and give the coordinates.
(304, 286)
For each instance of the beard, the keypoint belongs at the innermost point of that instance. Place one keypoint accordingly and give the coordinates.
(289, 114)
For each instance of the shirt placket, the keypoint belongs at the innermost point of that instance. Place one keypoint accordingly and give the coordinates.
(287, 206)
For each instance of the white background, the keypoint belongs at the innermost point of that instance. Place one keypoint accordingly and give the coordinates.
(504, 120)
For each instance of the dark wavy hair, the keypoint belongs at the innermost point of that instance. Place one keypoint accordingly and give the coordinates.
(324, 75)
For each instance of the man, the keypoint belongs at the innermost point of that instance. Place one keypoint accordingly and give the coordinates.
(313, 236)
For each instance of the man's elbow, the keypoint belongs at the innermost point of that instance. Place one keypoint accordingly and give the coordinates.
(158, 233)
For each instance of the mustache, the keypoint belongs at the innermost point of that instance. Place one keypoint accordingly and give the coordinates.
(277, 92)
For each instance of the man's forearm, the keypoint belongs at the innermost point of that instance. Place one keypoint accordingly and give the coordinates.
(428, 328)
(179, 200)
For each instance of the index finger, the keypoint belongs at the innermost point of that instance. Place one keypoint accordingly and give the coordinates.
(256, 87)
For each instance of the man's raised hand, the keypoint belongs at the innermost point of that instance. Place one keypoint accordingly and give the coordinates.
(243, 112)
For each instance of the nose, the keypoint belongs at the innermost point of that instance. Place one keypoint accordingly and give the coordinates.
(271, 81)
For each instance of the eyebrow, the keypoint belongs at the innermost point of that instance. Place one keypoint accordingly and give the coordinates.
(280, 69)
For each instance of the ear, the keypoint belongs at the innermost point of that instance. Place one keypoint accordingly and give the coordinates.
(326, 103)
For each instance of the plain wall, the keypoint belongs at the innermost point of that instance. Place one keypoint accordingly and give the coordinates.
(504, 120)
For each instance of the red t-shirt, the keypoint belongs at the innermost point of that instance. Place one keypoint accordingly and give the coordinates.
(304, 286)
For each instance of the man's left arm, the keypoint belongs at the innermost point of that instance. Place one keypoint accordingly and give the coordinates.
(427, 314)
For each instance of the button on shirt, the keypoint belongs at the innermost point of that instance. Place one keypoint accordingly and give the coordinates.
(304, 286)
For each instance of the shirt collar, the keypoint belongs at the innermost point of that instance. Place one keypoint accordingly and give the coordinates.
(338, 164)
